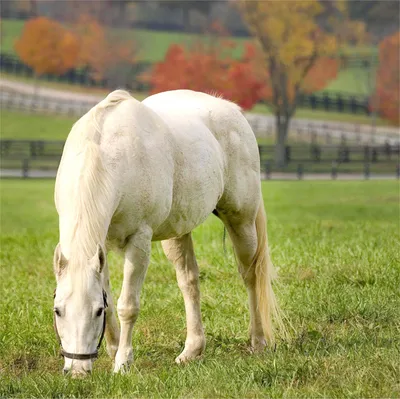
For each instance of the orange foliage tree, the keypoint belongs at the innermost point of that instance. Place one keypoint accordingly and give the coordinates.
(100, 52)
(388, 78)
(296, 56)
(47, 47)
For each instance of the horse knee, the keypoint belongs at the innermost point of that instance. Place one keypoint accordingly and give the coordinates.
(128, 312)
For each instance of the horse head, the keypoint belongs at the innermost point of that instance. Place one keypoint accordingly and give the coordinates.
(79, 310)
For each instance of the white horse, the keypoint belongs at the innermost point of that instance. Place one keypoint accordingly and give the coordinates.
(135, 172)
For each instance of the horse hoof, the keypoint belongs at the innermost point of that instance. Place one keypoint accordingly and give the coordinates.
(258, 345)
(122, 368)
(187, 356)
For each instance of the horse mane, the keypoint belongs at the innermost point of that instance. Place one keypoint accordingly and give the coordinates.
(94, 187)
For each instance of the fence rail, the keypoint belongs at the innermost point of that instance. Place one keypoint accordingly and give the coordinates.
(36, 158)
(130, 78)
(75, 105)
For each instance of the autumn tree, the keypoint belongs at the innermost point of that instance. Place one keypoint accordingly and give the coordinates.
(208, 67)
(106, 56)
(296, 54)
(387, 96)
(47, 47)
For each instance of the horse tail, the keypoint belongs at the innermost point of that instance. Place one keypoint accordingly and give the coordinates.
(265, 273)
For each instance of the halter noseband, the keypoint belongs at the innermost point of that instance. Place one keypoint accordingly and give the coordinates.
(83, 356)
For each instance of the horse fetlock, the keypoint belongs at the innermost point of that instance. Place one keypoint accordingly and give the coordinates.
(112, 350)
(123, 360)
(258, 343)
(194, 348)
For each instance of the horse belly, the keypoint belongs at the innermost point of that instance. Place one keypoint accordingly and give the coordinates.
(198, 186)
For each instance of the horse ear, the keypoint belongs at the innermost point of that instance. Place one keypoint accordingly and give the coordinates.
(99, 259)
(59, 261)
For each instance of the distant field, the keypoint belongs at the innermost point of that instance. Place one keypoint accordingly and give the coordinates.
(153, 46)
(336, 247)
(18, 125)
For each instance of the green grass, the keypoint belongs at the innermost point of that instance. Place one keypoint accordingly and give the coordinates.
(307, 113)
(17, 125)
(351, 81)
(337, 248)
(21, 126)
(152, 45)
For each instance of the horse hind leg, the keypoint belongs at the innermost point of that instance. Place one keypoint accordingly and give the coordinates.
(249, 238)
(180, 252)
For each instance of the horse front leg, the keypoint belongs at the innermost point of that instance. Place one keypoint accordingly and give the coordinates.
(137, 256)
(112, 330)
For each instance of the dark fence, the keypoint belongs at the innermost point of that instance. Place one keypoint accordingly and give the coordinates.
(347, 159)
(309, 131)
(129, 77)
(25, 158)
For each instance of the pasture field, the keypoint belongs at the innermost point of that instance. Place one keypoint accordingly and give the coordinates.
(17, 125)
(336, 245)
(153, 45)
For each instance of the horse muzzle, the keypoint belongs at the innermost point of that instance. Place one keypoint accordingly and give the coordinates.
(77, 369)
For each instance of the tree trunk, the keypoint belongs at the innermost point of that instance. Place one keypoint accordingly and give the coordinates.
(282, 125)
(35, 86)
(186, 17)
(122, 12)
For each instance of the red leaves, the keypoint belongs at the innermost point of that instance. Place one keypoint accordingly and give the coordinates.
(322, 72)
(244, 81)
(205, 68)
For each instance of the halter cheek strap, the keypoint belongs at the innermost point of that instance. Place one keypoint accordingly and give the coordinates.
(83, 356)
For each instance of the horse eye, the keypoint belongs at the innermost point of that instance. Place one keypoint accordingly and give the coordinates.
(99, 312)
(57, 312)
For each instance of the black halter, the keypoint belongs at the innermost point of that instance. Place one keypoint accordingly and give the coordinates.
(83, 356)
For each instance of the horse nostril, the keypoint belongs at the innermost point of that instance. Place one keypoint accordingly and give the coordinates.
(66, 371)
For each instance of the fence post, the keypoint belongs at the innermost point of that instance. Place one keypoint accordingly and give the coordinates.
(315, 153)
(299, 171)
(298, 133)
(328, 138)
(288, 154)
(387, 150)
(374, 155)
(313, 137)
(398, 171)
(32, 147)
(25, 168)
(366, 171)
(267, 170)
(366, 153)
(334, 170)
